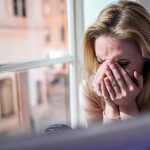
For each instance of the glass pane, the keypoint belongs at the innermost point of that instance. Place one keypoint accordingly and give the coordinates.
(32, 29)
(32, 100)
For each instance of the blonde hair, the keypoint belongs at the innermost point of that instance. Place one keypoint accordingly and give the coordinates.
(125, 20)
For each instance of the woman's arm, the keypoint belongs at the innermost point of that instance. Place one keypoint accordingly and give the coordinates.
(128, 112)
(94, 109)
(111, 114)
(90, 104)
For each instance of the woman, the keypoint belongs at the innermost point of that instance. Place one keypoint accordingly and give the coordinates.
(116, 56)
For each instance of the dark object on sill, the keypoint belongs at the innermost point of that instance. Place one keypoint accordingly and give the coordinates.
(56, 127)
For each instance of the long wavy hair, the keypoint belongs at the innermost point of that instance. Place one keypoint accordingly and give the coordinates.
(125, 20)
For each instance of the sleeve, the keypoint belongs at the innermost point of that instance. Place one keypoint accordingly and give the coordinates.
(90, 104)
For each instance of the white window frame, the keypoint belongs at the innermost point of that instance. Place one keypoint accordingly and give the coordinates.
(75, 34)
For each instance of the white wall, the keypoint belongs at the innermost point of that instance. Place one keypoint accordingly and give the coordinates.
(145, 3)
(91, 10)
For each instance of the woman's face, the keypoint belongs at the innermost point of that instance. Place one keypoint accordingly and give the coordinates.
(123, 52)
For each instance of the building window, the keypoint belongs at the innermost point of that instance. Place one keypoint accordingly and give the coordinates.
(23, 8)
(62, 34)
(15, 7)
(48, 37)
(19, 8)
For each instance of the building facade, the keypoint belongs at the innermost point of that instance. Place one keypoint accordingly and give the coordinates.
(30, 30)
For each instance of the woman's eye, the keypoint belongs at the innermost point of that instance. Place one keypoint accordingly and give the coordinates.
(123, 64)
(99, 62)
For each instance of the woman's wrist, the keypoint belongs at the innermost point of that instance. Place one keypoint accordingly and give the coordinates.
(111, 112)
(129, 112)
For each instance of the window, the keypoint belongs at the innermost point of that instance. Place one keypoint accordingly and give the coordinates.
(48, 37)
(15, 7)
(39, 71)
(19, 8)
(62, 34)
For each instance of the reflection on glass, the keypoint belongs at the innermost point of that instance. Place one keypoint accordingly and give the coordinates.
(29, 30)
(35, 99)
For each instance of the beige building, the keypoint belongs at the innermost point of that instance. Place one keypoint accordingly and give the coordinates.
(29, 30)
(29, 27)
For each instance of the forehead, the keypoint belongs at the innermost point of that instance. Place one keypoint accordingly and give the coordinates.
(107, 47)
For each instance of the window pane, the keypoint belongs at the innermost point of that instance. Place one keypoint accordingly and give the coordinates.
(31, 30)
(35, 99)
(15, 7)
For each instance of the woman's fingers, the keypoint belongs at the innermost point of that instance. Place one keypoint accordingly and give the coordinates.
(118, 81)
(130, 84)
(104, 90)
(139, 80)
(127, 79)
(110, 88)
(105, 93)
(113, 80)
(118, 77)
(100, 74)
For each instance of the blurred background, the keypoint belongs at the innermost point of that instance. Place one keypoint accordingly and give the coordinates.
(41, 62)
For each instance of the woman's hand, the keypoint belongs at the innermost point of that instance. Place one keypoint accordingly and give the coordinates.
(100, 74)
(98, 86)
(118, 86)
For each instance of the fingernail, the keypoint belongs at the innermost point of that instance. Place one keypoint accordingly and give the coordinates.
(136, 72)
